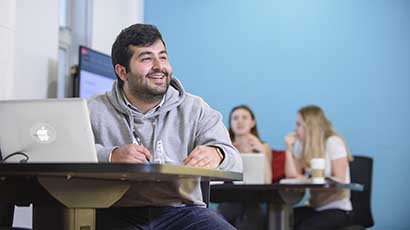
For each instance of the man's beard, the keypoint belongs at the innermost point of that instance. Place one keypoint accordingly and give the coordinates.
(141, 90)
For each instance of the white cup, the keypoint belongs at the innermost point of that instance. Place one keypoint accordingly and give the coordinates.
(318, 170)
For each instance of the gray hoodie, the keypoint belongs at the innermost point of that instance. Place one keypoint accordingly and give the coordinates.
(171, 131)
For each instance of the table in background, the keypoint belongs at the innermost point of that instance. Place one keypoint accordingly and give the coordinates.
(279, 197)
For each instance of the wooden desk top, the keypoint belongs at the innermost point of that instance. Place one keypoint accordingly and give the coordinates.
(115, 171)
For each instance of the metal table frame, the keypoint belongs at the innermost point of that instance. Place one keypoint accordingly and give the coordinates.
(65, 195)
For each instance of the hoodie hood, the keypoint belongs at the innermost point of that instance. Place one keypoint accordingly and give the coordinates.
(173, 97)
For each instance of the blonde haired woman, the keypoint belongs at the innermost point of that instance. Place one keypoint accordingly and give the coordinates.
(314, 137)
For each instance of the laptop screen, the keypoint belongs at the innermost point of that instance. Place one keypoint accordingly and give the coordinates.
(253, 168)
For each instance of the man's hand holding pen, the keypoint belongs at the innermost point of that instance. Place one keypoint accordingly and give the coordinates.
(131, 153)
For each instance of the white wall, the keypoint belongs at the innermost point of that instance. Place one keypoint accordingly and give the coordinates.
(110, 17)
(36, 49)
(7, 36)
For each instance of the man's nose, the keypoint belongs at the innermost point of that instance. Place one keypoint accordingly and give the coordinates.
(156, 64)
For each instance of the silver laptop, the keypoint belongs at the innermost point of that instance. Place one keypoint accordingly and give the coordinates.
(253, 168)
(49, 130)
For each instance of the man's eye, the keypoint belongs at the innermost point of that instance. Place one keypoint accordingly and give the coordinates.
(146, 59)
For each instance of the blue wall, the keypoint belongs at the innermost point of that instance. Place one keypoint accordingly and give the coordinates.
(350, 57)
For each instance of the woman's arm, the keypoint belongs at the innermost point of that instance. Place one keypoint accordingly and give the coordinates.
(338, 155)
(339, 167)
(268, 164)
(293, 166)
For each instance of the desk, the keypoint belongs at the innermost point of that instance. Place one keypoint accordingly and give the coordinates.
(279, 197)
(64, 196)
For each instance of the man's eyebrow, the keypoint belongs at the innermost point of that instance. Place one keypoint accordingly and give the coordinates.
(150, 53)
(144, 53)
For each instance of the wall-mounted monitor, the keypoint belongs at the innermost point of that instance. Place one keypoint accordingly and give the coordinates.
(95, 73)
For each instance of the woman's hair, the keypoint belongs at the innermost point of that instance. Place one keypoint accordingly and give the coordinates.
(316, 130)
(254, 129)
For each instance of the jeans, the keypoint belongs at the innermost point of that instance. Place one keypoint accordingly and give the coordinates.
(160, 218)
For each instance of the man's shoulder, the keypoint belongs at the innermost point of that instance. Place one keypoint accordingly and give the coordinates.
(196, 106)
(193, 100)
(97, 101)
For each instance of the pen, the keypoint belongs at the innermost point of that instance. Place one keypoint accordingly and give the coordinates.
(136, 140)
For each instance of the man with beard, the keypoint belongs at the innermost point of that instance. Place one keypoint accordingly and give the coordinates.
(148, 117)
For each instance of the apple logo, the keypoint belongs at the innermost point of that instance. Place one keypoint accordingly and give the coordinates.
(43, 133)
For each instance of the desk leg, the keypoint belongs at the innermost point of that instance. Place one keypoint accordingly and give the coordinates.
(279, 217)
(6, 215)
(52, 218)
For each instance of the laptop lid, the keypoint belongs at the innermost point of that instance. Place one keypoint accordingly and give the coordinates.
(253, 168)
(48, 130)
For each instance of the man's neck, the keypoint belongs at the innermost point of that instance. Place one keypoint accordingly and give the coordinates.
(142, 105)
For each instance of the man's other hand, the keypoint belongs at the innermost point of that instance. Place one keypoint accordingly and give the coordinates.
(203, 157)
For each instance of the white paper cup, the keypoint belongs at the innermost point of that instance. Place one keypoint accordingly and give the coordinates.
(318, 170)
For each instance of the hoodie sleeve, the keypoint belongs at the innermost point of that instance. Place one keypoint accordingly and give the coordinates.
(97, 108)
(212, 132)
(103, 153)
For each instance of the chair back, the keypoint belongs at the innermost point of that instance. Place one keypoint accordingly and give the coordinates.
(278, 165)
(361, 171)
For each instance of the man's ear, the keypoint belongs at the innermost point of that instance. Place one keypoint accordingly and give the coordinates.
(121, 72)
